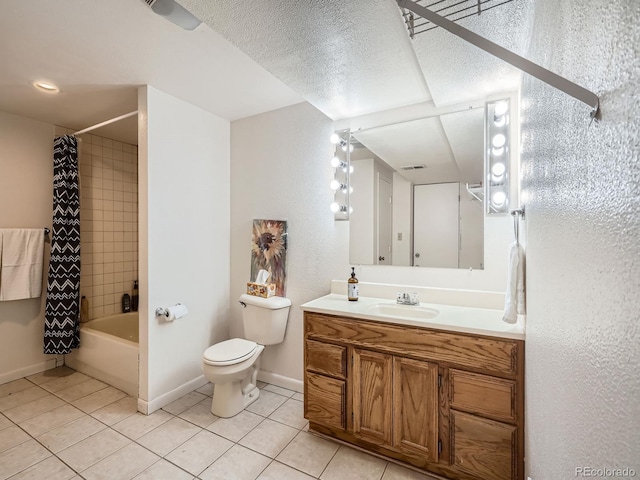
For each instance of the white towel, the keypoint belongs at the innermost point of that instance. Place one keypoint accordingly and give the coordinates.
(22, 251)
(514, 298)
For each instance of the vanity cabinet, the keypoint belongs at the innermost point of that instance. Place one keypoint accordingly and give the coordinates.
(447, 402)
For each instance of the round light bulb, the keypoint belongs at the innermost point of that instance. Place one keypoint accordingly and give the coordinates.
(335, 162)
(500, 109)
(350, 210)
(350, 147)
(335, 207)
(499, 141)
(498, 198)
(500, 121)
(335, 185)
(498, 169)
(334, 138)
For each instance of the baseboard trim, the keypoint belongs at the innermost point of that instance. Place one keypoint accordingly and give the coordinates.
(148, 407)
(281, 381)
(26, 371)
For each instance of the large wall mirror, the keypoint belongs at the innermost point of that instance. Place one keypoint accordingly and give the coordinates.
(417, 192)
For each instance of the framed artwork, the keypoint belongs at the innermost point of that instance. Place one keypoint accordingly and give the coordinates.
(269, 252)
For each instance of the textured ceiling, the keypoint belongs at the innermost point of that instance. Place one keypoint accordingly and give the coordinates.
(99, 52)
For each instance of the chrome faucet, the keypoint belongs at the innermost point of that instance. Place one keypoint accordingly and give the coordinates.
(407, 299)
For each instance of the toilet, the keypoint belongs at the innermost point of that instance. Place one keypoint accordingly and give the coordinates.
(232, 366)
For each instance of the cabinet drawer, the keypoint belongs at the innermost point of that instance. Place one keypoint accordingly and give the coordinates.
(482, 447)
(488, 396)
(326, 358)
(325, 400)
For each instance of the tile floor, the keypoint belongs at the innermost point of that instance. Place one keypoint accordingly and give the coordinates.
(61, 424)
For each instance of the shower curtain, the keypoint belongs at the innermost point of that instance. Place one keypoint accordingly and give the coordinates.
(61, 325)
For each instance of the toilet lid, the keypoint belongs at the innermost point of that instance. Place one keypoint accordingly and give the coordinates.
(229, 352)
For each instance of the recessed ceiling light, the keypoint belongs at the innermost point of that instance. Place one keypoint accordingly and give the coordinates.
(46, 87)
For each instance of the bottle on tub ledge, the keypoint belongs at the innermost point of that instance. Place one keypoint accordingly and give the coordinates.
(134, 297)
(353, 286)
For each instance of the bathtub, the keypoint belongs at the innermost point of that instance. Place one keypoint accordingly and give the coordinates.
(109, 351)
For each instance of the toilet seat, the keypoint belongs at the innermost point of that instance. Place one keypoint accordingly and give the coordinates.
(229, 352)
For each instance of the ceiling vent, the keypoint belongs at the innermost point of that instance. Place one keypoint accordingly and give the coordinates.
(174, 13)
(414, 167)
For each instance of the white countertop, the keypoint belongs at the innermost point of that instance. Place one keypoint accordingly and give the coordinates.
(480, 321)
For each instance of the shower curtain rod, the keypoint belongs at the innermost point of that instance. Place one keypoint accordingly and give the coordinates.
(107, 122)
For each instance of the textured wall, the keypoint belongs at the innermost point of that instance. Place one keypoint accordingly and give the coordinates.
(280, 170)
(26, 189)
(581, 186)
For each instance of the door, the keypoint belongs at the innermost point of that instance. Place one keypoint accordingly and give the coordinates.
(372, 396)
(436, 212)
(384, 224)
(415, 407)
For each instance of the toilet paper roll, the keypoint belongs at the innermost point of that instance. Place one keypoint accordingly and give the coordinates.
(176, 312)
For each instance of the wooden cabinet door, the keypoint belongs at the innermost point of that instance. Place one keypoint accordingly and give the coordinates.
(325, 400)
(415, 407)
(372, 396)
(484, 448)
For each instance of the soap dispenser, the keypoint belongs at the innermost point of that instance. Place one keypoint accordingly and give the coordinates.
(353, 286)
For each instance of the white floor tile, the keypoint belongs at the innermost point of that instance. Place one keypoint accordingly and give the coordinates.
(308, 453)
(14, 386)
(350, 464)
(65, 381)
(290, 413)
(396, 472)
(206, 389)
(236, 427)
(267, 403)
(4, 422)
(298, 396)
(239, 463)
(79, 390)
(278, 471)
(62, 437)
(169, 435)
(50, 375)
(93, 449)
(285, 392)
(117, 411)
(50, 469)
(34, 408)
(269, 438)
(138, 424)
(12, 436)
(197, 453)
(125, 464)
(184, 402)
(21, 457)
(200, 414)
(15, 399)
(163, 470)
(48, 421)
(98, 399)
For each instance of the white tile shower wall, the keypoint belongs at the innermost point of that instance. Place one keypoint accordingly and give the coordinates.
(108, 221)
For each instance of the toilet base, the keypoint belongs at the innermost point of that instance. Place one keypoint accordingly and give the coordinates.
(229, 399)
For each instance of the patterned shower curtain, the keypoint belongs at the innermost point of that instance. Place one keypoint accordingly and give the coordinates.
(61, 323)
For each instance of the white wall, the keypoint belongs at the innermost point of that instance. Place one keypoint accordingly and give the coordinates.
(184, 225)
(581, 188)
(280, 169)
(26, 201)
(402, 214)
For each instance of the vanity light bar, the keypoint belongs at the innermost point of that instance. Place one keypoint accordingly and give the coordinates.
(497, 156)
(340, 185)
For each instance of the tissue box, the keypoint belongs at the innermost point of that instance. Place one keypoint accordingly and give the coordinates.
(264, 290)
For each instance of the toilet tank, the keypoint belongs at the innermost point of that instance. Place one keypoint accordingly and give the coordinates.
(265, 319)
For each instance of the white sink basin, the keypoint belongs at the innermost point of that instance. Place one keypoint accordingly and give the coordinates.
(406, 311)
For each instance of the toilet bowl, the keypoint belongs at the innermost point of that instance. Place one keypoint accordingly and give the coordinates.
(233, 365)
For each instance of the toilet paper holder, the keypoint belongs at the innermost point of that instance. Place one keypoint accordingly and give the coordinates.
(172, 313)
